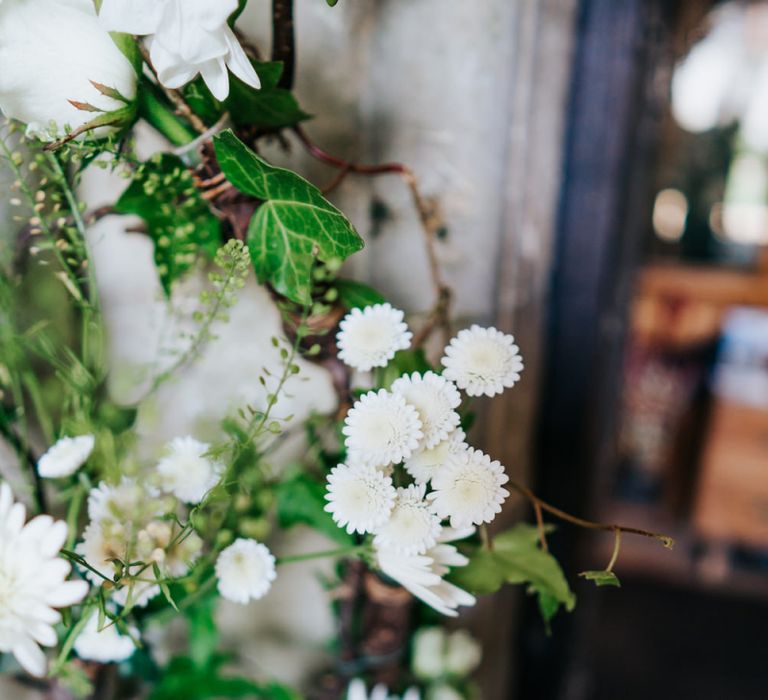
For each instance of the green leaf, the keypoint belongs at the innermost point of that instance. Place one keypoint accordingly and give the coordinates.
(516, 558)
(548, 607)
(270, 106)
(356, 295)
(294, 224)
(602, 578)
(203, 634)
(164, 586)
(405, 362)
(202, 102)
(177, 217)
(332, 3)
(302, 501)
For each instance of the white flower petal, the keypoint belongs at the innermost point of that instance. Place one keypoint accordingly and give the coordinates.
(360, 497)
(370, 337)
(66, 456)
(245, 571)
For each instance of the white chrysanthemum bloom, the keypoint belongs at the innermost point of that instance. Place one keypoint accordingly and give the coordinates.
(412, 527)
(186, 472)
(360, 497)
(482, 361)
(66, 456)
(370, 337)
(423, 465)
(435, 398)
(469, 489)
(32, 582)
(357, 691)
(186, 39)
(245, 571)
(422, 574)
(381, 429)
(105, 646)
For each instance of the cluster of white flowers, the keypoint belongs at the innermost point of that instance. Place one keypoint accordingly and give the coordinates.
(357, 691)
(413, 430)
(129, 522)
(32, 582)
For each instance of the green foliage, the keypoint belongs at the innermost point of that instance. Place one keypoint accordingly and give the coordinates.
(294, 225)
(178, 218)
(353, 294)
(270, 107)
(602, 578)
(517, 558)
(404, 362)
(184, 679)
(301, 500)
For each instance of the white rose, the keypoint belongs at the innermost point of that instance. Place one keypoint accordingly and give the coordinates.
(50, 51)
(186, 38)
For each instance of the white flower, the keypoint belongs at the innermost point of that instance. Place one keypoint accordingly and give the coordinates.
(360, 497)
(105, 646)
(434, 397)
(423, 465)
(125, 502)
(32, 582)
(436, 653)
(468, 490)
(422, 574)
(50, 51)
(381, 429)
(245, 571)
(412, 527)
(187, 37)
(370, 337)
(482, 361)
(65, 457)
(186, 472)
(357, 691)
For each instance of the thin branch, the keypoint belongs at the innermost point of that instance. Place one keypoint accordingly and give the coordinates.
(429, 217)
(284, 40)
(616, 547)
(540, 526)
(666, 540)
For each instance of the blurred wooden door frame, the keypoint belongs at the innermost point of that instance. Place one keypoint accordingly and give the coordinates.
(623, 58)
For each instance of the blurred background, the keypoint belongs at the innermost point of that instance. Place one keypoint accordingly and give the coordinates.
(602, 166)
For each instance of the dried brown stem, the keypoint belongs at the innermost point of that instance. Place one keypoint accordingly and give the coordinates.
(429, 217)
(666, 540)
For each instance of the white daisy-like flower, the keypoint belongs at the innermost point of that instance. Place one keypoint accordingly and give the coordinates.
(357, 691)
(435, 398)
(422, 574)
(360, 497)
(423, 465)
(370, 337)
(65, 457)
(381, 429)
(482, 361)
(412, 527)
(468, 490)
(32, 583)
(122, 502)
(245, 571)
(186, 472)
(106, 646)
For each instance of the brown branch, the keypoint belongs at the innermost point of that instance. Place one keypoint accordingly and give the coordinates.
(666, 540)
(284, 40)
(540, 526)
(429, 217)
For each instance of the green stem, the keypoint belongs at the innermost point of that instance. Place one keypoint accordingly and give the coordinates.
(340, 552)
(154, 108)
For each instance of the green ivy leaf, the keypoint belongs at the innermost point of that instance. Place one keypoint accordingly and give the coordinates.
(270, 106)
(602, 578)
(332, 3)
(356, 295)
(294, 224)
(301, 500)
(177, 217)
(516, 558)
